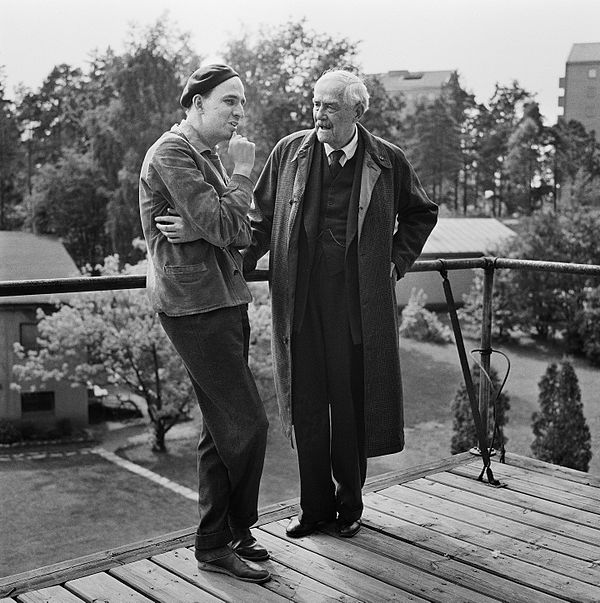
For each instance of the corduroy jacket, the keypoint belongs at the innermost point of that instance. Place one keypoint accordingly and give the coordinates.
(206, 274)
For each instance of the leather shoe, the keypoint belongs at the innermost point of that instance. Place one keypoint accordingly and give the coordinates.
(248, 548)
(297, 528)
(235, 567)
(347, 529)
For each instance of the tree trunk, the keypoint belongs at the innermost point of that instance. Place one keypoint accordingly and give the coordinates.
(158, 437)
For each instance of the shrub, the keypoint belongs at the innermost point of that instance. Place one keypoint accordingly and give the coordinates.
(419, 323)
(64, 428)
(505, 310)
(582, 335)
(465, 435)
(562, 436)
(9, 432)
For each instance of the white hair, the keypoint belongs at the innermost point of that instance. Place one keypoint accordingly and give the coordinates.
(355, 91)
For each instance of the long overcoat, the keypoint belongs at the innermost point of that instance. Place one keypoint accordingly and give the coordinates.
(395, 217)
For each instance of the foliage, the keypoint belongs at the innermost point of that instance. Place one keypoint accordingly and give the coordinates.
(112, 338)
(583, 332)
(497, 121)
(562, 436)
(101, 122)
(9, 432)
(576, 158)
(521, 165)
(464, 435)
(435, 146)
(279, 67)
(70, 199)
(10, 163)
(504, 307)
(548, 301)
(421, 324)
(542, 303)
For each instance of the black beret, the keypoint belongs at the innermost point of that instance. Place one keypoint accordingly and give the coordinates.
(203, 80)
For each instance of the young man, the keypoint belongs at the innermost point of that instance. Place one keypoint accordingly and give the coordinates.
(344, 216)
(196, 285)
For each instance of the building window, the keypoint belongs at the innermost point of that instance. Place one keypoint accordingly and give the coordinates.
(590, 111)
(592, 73)
(37, 402)
(590, 91)
(28, 335)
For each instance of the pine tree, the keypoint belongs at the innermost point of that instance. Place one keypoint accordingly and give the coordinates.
(465, 435)
(562, 436)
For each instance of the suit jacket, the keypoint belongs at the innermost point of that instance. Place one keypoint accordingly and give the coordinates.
(394, 219)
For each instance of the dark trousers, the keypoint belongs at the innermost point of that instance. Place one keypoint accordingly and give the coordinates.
(327, 408)
(231, 450)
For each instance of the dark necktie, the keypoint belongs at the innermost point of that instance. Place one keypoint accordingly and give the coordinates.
(334, 162)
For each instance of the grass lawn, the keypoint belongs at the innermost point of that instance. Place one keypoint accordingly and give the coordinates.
(58, 509)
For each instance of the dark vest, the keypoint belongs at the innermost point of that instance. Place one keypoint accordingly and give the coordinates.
(333, 214)
(329, 213)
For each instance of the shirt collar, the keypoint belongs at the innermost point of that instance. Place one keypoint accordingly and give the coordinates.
(348, 150)
(193, 136)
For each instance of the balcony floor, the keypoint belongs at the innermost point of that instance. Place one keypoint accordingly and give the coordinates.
(432, 533)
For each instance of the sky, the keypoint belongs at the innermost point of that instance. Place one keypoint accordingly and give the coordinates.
(486, 41)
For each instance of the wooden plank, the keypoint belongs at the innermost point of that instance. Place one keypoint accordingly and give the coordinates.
(494, 561)
(585, 491)
(582, 504)
(183, 563)
(486, 536)
(384, 480)
(58, 573)
(289, 508)
(285, 584)
(438, 497)
(159, 584)
(104, 588)
(536, 522)
(448, 568)
(504, 502)
(7, 600)
(409, 579)
(527, 501)
(331, 573)
(52, 594)
(532, 464)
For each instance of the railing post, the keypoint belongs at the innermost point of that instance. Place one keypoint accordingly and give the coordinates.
(486, 343)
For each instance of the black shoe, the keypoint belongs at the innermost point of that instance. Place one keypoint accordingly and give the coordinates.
(235, 567)
(248, 548)
(297, 528)
(347, 529)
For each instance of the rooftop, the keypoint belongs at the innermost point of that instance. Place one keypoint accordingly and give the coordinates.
(584, 53)
(407, 81)
(28, 256)
(431, 533)
(466, 236)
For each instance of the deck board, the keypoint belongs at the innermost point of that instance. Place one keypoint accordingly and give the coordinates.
(430, 533)
(101, 587)
(506, 534)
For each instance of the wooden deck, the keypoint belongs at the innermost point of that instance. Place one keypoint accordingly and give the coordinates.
(433, 533)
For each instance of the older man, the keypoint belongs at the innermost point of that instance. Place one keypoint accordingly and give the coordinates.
(196, 285)
(344, 216)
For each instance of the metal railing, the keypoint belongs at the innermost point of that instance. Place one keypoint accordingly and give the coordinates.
(488, 264)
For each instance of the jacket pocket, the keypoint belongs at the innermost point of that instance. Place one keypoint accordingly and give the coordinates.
(186, 274)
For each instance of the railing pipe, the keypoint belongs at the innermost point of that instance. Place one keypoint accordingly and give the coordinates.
(486, 344)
